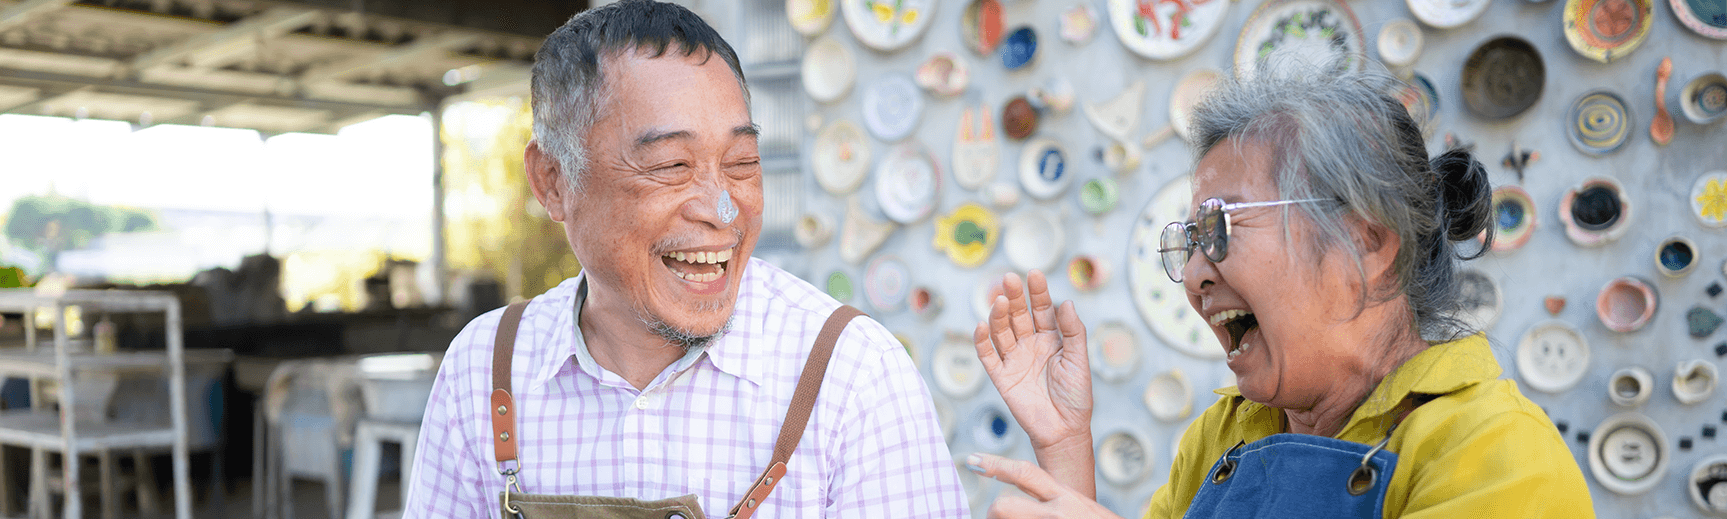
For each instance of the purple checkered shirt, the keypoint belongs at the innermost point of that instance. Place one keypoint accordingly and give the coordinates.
(704, 426)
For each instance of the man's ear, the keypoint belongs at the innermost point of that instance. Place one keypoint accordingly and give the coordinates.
(546, 178)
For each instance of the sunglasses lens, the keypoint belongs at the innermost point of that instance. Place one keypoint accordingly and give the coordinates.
(1174, 249)
(1212, 230)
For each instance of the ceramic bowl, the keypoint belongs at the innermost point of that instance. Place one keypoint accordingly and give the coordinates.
(1630, 387)
(1087, 272)
(1625, 304)
(1676, 256)
(1019, 48)
(1114, 352)
(1595, 212)
(1694, 380)
(1513, 218)
(1503, 77)
(943, 74)
(1704, 99)
(828, 70)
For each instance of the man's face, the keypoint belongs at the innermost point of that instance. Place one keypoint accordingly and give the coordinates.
(672, 145)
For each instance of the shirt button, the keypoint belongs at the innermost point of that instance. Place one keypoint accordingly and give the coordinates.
(642, 402)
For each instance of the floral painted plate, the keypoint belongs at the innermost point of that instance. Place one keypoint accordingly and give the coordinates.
(888, 25)
(1705, 17)
(1166, 29)
(968, 235)
(1161, 302)
(810, 17)
(907, 182)
(1287, 36)
(1709, 199)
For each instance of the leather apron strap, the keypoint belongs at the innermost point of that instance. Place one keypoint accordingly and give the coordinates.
(504, 440)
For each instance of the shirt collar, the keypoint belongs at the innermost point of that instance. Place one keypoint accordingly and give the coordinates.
(1441, 368)
(731, 352)
(584, 359)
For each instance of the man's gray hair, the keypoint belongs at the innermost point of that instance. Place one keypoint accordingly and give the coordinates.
(569, 73)
(1343, 137)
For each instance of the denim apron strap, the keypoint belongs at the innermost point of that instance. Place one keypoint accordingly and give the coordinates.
(1297, 476)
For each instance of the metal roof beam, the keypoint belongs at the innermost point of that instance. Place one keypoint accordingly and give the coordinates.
(209, 97)
(442, 42)
(23, 11)
(224, 43)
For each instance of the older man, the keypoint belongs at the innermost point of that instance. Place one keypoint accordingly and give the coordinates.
(669, 365)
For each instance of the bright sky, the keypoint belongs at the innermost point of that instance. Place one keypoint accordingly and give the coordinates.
(378, 168)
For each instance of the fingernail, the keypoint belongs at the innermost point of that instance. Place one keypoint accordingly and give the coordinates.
(974, 462)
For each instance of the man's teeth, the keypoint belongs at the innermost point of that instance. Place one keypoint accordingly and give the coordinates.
(702, 257)
(701, 278)
(1225, 316)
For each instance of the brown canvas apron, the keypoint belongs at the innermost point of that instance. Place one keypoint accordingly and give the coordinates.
(519, 505)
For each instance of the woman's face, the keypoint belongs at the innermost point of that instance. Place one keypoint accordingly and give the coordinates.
(1282, 313)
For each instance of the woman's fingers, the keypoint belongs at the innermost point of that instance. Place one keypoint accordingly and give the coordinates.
(1030, 479)
(1021, 507)
(1042, 307)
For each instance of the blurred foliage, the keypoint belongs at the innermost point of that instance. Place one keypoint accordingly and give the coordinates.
(493, 223)
(53, 223)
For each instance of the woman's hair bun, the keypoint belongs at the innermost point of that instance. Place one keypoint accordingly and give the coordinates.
(1464, 191)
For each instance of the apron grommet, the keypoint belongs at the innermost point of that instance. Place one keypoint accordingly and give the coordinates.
(675, 515)
(1223, 472)
(1361, 480)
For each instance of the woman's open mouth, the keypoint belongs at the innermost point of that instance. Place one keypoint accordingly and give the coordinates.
(1237, 323)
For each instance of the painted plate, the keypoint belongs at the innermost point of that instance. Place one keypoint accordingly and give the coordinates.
(1446, 14)
(1552, 356)
(888, 25)
(1503, 77)
(891, 107)
(1628, 453)
(1187, 95)
(1603, 30)
(976, 151)
(1400, 42)
(968, 235)
(1421, 99)
(1078, 23)
(1600, 122)
(1709, 199)
(1513, 218)
(943, 74)
(1161, 302)
(992, 428)
(828, 70)
(955, 367)
(1114, 352)
(1480, 299)
(1125, 458)
(841, 158)
(981, 26)
(907, 182)
(1033, 239)
(1163, 29)
(840, 286)
(1705, 17)
(886, 282)
(1043, 169)
(1099, 195)
(810, 17)
(1169, 396)
(1704, 98)
(1019, 48)
(1287, 36)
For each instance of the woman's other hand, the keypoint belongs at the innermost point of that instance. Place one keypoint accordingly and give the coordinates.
(1036, 356)
(1049, 498)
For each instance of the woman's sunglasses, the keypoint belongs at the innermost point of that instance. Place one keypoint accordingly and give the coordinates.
(1208, 232)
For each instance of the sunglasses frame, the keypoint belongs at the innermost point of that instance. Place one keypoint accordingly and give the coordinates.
(1216, 237)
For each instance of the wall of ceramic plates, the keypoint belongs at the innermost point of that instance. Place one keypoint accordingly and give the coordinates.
(941, 144)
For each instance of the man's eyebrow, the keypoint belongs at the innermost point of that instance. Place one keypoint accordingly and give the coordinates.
(654, 136)
(752, 130)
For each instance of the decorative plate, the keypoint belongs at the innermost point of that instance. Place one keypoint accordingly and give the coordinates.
(828, 70)
(1400, 41)
(1169, 396)
(976, 152)
(810, 17)
(1447, 14)
(943, 74)
(1119, 116)
(981, 26)
(1033, 239)
(1422, 102)
(1124, 458)
(1187, 95)
(1099, 195)
(1595, 212)
(891, 107)
(840, 286)
(1481, 299)
(1600, 122)
(1705, 483)
(1552, 356)
(1161, 302)
(1294, 36)
(888, 25)
(1078, 23)
(1628, 453)
(841, 158)
(1709, 199)
(992, 427)
(1513, 218)
(1503, 77)
(1018, 118)
(886, 282)
(955, 367)
(1019, 48)
(813, 230)
(1602, 30)
(1163, 29)
(1087, 272)
(1043, 169)
(968, 235)
(907, 182)
(1705, 17)
(1704, 98)
(1114, 352)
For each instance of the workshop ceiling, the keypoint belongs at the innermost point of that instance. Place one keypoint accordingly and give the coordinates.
(311, 66)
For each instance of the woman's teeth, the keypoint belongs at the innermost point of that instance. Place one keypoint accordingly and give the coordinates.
(1239, 349)
(1226, 315)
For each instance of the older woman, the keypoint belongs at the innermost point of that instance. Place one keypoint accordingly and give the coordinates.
(1321, 253)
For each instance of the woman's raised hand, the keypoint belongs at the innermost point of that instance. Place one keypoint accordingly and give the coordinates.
(1048, 498)
(1036, 356)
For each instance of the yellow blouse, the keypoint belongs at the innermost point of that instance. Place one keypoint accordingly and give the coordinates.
(1480, 449)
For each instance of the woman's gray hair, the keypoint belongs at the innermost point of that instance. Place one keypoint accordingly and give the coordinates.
(568, 78)
(1344, 137)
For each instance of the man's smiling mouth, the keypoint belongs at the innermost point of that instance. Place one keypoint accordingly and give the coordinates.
(697, 266)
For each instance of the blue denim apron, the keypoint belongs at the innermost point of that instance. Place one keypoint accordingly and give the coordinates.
(1297, 476)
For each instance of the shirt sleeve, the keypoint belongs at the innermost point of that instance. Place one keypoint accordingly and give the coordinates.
(445, 483)
(1193, 460)
(893, 462)
(1498, 470)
